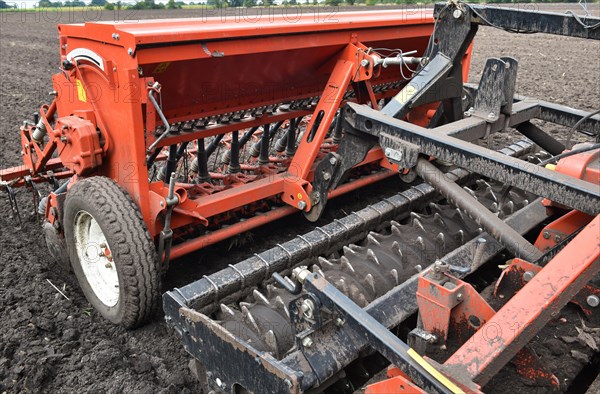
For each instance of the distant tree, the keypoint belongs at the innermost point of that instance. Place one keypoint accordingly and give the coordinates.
(249, 3)
(109, 6)
(100, 3)
(146, 5)
(236, 3)
(350, 2)
(3, 4)
(171, 5)
(333, 2)
(49, 4)
(371, 2)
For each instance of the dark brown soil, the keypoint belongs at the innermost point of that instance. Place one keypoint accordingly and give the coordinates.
(53, 344)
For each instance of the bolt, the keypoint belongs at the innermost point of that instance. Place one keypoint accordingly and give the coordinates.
(308, 308)
(162, 203)
(53, 93)
(103, 245)
(307, 342)
(528, 275)
(332, 161)
(130, 52)
(459, 296)
(491, 115)
(108, 265)
(115, 36)
(327, 176)
(301, 205)
(593, 300)
(339, 322)
(546, 234)
(364, 62)
(457, 14)
(557, 238)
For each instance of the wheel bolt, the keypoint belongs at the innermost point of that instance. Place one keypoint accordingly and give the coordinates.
(593, 301)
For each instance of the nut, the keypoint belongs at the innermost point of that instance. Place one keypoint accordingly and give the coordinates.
(593, 300)
(308, 308)
(301, 205)
(528, 275)
(546, 234)
(307, 342)
(457, 14)
(332, 161)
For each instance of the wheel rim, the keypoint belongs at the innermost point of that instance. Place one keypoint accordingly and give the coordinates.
(96, 259)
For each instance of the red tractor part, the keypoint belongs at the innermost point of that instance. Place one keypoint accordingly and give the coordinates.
(143, 108)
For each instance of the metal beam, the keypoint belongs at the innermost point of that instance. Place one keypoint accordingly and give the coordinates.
(517, 322)
(535, 21)
(566, 190)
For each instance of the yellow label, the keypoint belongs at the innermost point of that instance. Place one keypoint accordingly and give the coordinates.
(81, 91)
(406, 94)
(161, 68)
(434, 372)
(299, 196)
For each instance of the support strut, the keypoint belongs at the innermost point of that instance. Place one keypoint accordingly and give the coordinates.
(496, 227)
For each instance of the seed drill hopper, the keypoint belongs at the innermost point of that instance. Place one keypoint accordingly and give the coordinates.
(174, 135)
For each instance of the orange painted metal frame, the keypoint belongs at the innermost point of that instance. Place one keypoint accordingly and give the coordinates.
(515, 324)
(113, 64)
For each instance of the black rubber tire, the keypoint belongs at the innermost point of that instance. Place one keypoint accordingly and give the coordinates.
(130, 244)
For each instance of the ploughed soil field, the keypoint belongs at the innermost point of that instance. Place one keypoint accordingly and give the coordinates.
(50, 343)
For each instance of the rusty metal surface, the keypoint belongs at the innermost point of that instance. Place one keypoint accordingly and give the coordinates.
(532, 307)
(566, 190)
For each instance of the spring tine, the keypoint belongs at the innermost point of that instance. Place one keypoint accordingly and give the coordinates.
(36, 197)
(394, 274)
(14, 205)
